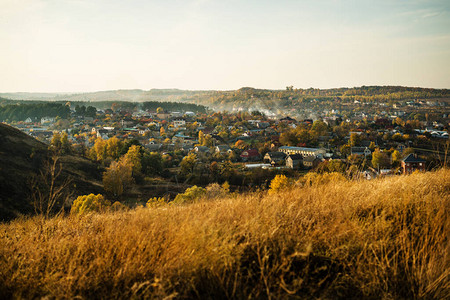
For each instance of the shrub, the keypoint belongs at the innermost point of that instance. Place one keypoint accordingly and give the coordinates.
(215, 190)
(89, 203)
(117, 206)
(191, 194)
(156, 202)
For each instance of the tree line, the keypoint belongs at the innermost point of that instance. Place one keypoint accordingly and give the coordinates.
(20, 112)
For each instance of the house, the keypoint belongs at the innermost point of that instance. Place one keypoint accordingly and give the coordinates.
(311, 161)
(201, 150)
(179, 123)
(412, 162)
(302, 150)
(250, 155)
(182, 139)
(262, 125)
(153, 147)
(294, 161)
(274, 158)
(361, 151)
(222, 149)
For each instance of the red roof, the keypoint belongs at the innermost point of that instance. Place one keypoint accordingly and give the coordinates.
(250, 153)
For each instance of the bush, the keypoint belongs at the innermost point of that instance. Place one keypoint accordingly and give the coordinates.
(89, 203)
(191, 194)
(215, 190)
(156, 202)
(117, 206)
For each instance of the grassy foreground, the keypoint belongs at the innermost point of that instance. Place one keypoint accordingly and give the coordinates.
(385, 238)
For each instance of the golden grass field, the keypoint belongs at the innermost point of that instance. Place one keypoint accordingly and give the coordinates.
(380, 239)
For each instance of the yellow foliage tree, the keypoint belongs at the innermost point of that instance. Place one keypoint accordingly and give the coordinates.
(134, 156)
(113, 146)
(118, 176)
(280, 182)
(89, 203)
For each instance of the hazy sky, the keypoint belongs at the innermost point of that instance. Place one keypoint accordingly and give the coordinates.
(91, 45)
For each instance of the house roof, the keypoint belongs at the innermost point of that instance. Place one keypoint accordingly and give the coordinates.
(250, 152)
(413, 158)
(310, 158)
(298, 148)
(276, 154)
(296, 156)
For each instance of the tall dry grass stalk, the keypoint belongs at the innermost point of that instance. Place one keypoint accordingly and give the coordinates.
(385, 238)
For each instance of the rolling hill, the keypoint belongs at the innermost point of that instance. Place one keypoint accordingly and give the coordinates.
(22, 158)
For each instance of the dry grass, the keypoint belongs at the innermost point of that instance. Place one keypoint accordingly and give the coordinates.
(379, 239)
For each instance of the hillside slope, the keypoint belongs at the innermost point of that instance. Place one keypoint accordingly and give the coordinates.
(22, 157)
(380, 239)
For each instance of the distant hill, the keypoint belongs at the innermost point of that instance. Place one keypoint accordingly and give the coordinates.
(22, 157)
(249, 98)
(114, 95)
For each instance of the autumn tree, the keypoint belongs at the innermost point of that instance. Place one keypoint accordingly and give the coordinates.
(134, 156)
(380, 159)
(118, 176)
(113, 146)
(279, 183)
(187, 165)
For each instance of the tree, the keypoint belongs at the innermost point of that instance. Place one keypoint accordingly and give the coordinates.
(379, 159)
(118, 176)
(55, 143)
(159, 110)
(152, 163)
(320, 128)
(396, 158)
(91, 111)
(113, 146)
(279, 183)
(188, 163)
(201, 138)
(49, 192)
(355, 139)
(66, 147)
(134, 156)
(89, 203)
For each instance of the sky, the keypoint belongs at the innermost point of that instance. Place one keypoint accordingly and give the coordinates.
(94, 45)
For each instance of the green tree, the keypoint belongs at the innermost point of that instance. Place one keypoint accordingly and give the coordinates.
(152, 163)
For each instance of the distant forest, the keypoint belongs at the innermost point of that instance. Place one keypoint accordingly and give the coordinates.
(20, 112)
(173, 106)
(247, 96)
(17, 110)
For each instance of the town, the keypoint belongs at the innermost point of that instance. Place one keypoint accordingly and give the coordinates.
(248, 148)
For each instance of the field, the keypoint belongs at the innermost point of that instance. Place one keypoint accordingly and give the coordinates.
(385, 238)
